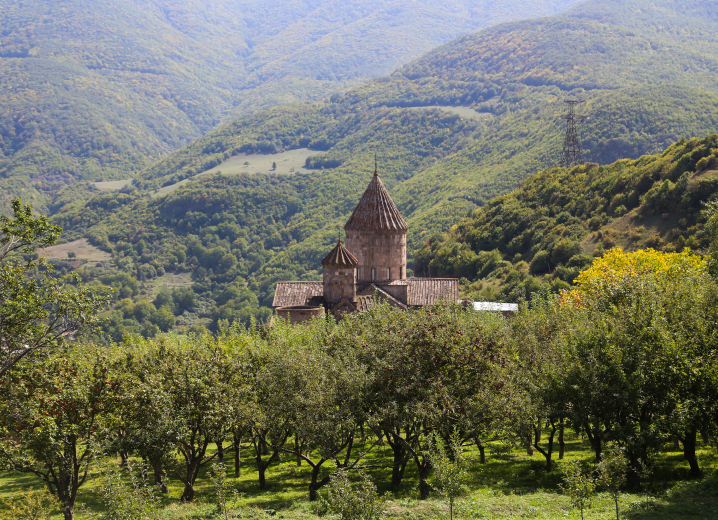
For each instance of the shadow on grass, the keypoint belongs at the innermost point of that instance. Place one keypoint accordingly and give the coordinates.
(686, 500)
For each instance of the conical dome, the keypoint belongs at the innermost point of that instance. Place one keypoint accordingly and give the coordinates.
(341, 257)
(376, 211)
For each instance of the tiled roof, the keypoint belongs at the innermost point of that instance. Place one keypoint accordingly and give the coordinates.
(367, 295)
(376, 211)
(296, 293)
(340, 256)
(428, 291)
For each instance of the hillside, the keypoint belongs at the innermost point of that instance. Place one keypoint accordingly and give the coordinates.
(498, 93)
(543, 234)
(98, 90)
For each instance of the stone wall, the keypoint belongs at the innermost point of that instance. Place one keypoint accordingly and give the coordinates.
(299, 313)
(379, 251)
(339, 283)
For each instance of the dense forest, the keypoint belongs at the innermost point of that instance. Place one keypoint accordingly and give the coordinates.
(644, 91)
(98, 90)
(541, 236)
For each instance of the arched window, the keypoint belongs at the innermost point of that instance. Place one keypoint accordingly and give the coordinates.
(388, 273)
(373, 274)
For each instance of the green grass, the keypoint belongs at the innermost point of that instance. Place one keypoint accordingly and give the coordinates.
(465, 112)
(291, 161)
(506, 487)
(112, 185)
(82, 249)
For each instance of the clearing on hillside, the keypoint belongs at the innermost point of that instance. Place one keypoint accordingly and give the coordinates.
(112, 185)
(170, 281)
(82, 248)
(290, 161)
(465, 112)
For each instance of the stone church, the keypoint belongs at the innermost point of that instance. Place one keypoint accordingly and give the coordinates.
(372, 265)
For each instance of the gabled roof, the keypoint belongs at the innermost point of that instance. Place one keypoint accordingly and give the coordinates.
(428, 291)
(340, 257)
(367, 296)
(376, 211)
(296, 293)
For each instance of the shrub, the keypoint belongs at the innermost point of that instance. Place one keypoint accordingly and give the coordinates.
(354, 502)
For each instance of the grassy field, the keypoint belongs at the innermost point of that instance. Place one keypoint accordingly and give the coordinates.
(465, 112)
(510, 486)
(112, 185)
(82, 249)
(171, 281)
(287, 162)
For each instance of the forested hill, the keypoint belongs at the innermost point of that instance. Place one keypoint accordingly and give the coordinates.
(645, 88)
(100, 89)
(543, 234)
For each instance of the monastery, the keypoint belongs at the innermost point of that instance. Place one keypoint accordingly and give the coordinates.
(372, 265)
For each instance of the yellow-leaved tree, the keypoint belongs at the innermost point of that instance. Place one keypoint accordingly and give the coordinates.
(613, 277)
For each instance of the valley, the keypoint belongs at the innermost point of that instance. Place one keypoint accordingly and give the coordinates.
(439, 165)
(305, 260)
(100, 90)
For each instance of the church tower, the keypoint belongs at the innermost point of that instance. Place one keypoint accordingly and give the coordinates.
(339, 272)
(376, 236)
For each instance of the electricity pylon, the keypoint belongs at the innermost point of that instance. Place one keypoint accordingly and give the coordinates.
(571, 155)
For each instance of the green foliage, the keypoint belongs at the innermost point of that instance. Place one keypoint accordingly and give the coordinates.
(612, 473)
(221, 488)
(31, 505)
(126, 493)
(38, 310)
(578, 485)
(54, 412)
(358, 501)
(559, 215)
(712, 233)
(450, 469)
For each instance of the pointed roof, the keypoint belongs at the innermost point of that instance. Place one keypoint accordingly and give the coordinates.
(376, 211)
(340, 256)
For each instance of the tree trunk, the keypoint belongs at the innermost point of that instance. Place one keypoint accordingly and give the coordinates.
(68, 512)
(537, 432)
(482, 450)
(297, 449)
(676, 445)
(424, 487)
(595, 442)
(159, 474)
(400, 460)
(549, 452)
(220, 452)
(188, 493)
(529, 446)
(561, 443)
(315, 486)
(689, 452)
(237, 446)
(706, 438)
(260, 469)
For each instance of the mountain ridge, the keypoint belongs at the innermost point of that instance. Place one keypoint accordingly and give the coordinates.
(438, 166)
(100, 90)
